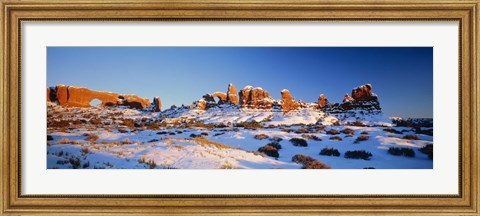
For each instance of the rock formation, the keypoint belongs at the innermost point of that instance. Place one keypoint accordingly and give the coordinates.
(48, 94)
(364, 93)
(322, 101)
(362, 99)
(81, 97)
(232, 95)
(62, 94)
(347, 98)
(157, 104)
(288, 103)
(222, 97)
(255, 98)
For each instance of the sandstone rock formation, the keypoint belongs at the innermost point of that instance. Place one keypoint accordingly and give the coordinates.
(48, 94)
(222, 97)
(62, 94)
(207, 102)
(364, 93)
(288, 103)
(255, 98)
(347, 98)
(81, 97)
(201, 104)
(232, 95)
(157, 104)
(363, 99)
(322, 101)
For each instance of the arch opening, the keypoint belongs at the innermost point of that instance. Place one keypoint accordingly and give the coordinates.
(95, 102)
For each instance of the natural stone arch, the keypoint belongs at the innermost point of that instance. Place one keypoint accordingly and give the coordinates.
(222, 97)
(96, 102)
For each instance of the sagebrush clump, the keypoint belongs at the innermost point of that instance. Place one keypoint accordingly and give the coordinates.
(308, 162)
(407, 152)
(330, 152)
(359, 154)
(269, 150)
(361, 138)
(299, 142)
(428, 150)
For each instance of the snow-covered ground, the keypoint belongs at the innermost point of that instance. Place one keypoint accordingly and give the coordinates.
(225, 138)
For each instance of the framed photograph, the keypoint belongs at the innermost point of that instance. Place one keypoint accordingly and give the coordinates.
(244, 108)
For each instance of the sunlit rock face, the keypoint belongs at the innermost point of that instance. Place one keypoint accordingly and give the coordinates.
(81, 97)
(288, 103)
(362, 99)
(157, 104)
(322, 101)
(232, 95)
(255, 98)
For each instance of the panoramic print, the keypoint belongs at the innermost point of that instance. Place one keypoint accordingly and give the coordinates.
(239, 108)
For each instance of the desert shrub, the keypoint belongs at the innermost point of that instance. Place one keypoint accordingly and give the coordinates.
(302, 130)
(49, 137)
(59, 154)
(86, 165)
(75, 162)
(162, 132)
(316, 164)
(300, 158)
(269, 150)
(249, 125)
(126, 141)
(203, 141)
(357, 123)
(151, 164)
(333, 132)
(153, 140)
(171, 133)
(361, 138)
(299, 142)
(395, 151)
(142, 159)
(360, 154)
(308, 162)
(67, 141)
(261, 136)
(411, 137)
(428, 150)
(204, 134)
(218, 134)
(275, 139)
(336, 138)
(129, 123)
(311, 137)
(95, 121)
(413, 122)
(60, 124)
(330, 152)
(85, 150)
(364, 133)
(348, 131)
(418, 130)
(407, 152)
(391, 130)
(92, 138)
(275, 145)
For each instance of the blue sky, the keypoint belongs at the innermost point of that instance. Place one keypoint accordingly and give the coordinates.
(402, 77)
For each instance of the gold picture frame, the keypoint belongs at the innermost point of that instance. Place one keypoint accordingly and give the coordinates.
(14, 13)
